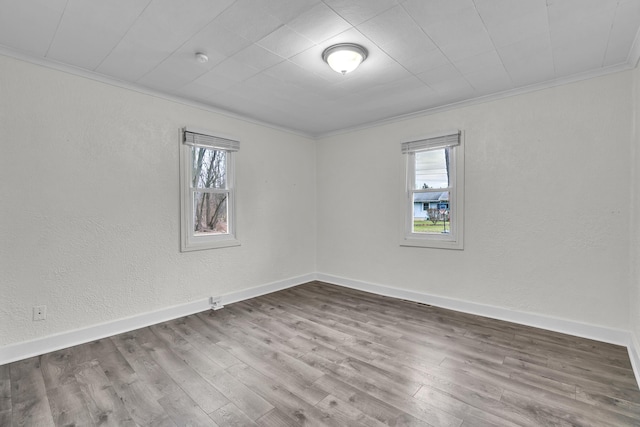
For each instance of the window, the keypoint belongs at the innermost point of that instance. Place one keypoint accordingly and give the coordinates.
(434, 192)
(207, 191)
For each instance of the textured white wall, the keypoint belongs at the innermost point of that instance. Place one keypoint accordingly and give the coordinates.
(89, 196)
(635, 234)
(546, 209)
(89, 204)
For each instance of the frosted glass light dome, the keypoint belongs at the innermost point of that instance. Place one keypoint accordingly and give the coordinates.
(345, 57)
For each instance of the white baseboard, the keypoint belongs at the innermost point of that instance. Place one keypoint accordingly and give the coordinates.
(267, 288)
(584, 330)
(26, 349)
(634, 355)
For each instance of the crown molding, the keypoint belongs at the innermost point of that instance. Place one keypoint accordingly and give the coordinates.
(632, 62)
(484, 99)
(92, 75)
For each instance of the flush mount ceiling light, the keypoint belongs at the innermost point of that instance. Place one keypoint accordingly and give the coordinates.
(201, 57)
(344, 57)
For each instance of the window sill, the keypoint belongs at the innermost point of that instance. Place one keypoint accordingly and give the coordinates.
(426, 242)
(217, 244)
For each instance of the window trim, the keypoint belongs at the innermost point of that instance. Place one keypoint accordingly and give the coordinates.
(453, 240)
(189, 241)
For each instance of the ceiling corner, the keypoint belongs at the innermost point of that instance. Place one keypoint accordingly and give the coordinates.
(634, 52)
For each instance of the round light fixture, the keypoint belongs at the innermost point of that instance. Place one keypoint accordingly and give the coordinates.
(344, 57)
(201, 57)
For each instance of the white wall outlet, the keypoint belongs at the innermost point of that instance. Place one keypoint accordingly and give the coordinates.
(216, 303)
(39, 312)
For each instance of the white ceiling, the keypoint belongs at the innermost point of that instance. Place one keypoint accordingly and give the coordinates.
(265, 55)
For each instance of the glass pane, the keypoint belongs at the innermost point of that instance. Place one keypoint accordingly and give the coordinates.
(431, 213)
(210, 213)
(432, 168)
(209, 168)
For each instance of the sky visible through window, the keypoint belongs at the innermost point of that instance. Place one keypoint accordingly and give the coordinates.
(431, 169)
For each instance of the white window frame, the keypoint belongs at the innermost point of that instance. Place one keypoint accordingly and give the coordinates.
(454, 239)
(189, 241)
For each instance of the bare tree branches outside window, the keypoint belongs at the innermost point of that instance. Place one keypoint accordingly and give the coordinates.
(209, 176)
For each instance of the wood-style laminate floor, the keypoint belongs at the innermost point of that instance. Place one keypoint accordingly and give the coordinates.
(321, 355)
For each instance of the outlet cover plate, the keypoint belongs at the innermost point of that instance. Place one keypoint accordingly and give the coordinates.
(216, 303)
(39, 313)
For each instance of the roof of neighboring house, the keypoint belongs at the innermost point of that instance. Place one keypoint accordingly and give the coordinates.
(431, 197)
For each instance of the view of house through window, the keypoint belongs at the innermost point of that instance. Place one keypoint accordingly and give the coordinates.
(431, 211)
(209, 189)
(434, 191)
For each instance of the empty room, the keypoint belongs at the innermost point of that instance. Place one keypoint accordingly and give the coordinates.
(320, 212)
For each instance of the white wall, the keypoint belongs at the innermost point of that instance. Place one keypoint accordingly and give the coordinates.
(635, 230)
(89, 205)
(89, 220)
(547, 204)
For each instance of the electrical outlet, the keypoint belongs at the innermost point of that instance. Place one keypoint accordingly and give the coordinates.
(39, 312)
(216, 303)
